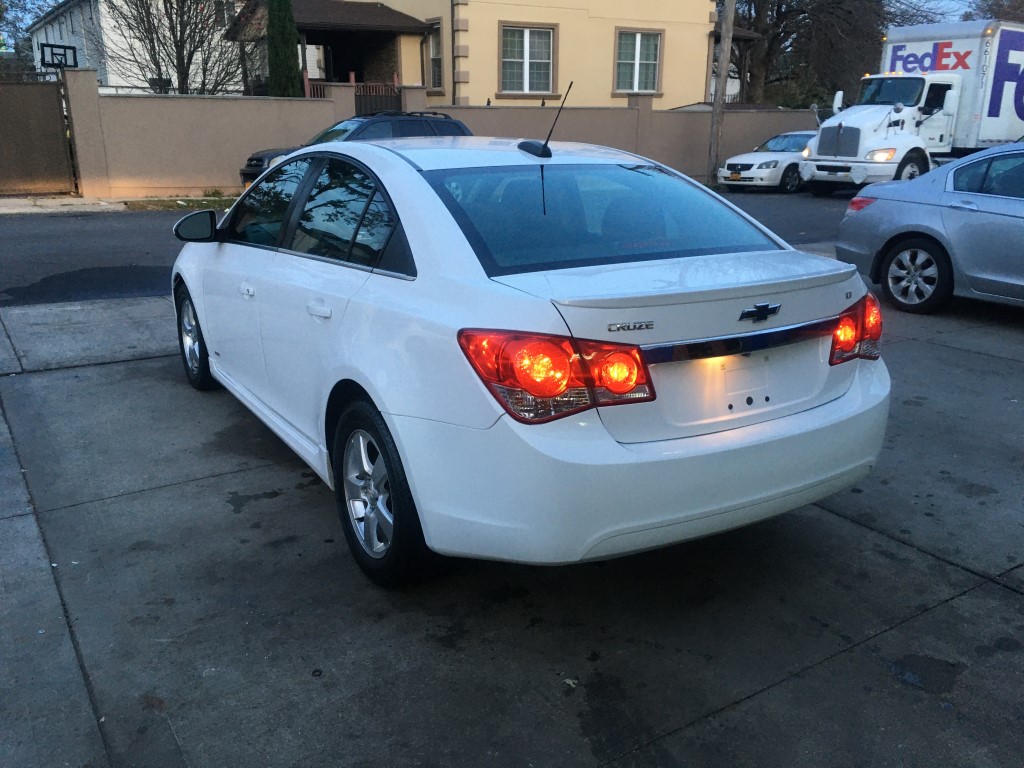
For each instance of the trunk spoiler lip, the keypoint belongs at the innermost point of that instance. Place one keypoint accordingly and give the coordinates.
(835, 272)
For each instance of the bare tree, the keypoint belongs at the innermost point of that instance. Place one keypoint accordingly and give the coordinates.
(816, 45)
(1005, 10)
(173, 43)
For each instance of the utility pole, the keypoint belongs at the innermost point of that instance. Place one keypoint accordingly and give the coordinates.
(721, 84)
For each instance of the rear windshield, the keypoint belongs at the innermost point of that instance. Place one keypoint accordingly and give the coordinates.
(532, 218)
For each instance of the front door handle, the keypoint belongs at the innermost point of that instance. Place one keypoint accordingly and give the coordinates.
(246, 290)
(964, 205)
(318, 310)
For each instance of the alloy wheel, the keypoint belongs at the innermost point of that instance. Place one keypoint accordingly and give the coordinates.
(913, 276)
(368, 493)
(191, 344)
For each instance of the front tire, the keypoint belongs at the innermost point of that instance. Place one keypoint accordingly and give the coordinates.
(191, 344)
(917, 276)
(790, 181)
(375, 504)
(912, 166)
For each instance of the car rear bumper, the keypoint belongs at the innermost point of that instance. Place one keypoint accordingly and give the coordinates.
(857, 253)
(566, 491)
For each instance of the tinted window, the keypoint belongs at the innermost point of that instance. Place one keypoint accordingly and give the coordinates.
(970, 177)
(378, 130)
(411, 128)
(331, 215)
(449, 128)
(519, 220)
(373, 231)
(260, 215)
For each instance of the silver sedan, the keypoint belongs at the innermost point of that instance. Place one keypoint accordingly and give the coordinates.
(957, 230)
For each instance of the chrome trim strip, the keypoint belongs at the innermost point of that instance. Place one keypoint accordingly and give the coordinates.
(721, 346)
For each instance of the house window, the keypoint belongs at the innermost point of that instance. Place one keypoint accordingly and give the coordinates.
(71, 22)
(636, 61)
(60, 27)
(526, 60)
(434, 77)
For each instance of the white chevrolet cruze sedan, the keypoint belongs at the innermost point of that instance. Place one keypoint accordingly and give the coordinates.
(494, 349)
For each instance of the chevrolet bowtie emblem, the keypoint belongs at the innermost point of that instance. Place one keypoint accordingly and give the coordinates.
(760, 312)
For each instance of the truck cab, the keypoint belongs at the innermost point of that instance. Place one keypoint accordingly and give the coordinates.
(896, 123)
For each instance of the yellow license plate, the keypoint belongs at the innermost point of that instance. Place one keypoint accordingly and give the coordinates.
(734, 176)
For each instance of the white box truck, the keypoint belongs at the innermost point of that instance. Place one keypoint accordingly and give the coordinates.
(945, 90)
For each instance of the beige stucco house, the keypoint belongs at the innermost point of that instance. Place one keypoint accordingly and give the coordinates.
(470, 52)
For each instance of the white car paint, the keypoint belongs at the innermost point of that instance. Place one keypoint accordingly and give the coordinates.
(602, 482)
(755, 175)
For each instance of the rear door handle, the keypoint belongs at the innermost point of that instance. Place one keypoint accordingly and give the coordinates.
(246, 290)
(964, 205)
(318, 310)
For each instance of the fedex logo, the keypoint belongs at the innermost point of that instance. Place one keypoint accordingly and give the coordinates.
(1006, 72)
(941, 57)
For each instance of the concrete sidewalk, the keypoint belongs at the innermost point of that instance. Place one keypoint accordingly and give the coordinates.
(175, 590)
(58, 204)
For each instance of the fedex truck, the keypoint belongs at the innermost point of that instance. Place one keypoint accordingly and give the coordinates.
(945, 90)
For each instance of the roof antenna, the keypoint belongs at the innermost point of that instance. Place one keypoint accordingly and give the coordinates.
(535, 147)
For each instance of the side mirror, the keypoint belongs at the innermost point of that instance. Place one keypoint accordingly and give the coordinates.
(198, 227)
(897, 107)
(814, 109)
(837, 102)
(949, 102)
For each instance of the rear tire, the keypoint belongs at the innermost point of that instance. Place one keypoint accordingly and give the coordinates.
(790, 181)
(917, 276)
(375, 504)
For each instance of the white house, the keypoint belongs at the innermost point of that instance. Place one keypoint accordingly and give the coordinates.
(75, 24)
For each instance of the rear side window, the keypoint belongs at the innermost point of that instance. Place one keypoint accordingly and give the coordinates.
(531, 218)
(1002, 176)
(970, 177)
(344, 218)
(260, 216)
(404, 128)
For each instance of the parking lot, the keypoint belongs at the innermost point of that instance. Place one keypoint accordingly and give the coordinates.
(176, 590)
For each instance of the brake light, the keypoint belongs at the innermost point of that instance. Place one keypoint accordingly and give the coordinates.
(859, 204)
(858, 332)
(540, 377)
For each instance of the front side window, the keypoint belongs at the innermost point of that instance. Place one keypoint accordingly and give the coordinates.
(519, 219)
(259, 217)
(434, 65)
(526, 60)
(345, 217)
(636, 61)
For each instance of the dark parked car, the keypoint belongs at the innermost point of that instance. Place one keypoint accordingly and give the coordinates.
(379, 125)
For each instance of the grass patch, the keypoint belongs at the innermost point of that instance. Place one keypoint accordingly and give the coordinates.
(180, 204)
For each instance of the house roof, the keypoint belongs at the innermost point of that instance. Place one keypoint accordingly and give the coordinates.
(52, 13)
(251, 21)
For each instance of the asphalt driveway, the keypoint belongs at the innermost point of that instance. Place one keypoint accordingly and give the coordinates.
(176, 590)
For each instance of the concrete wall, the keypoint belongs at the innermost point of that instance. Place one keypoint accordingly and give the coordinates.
(154, 146)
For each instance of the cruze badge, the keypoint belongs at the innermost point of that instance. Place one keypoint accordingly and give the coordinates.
(642, 325)
(760, 312)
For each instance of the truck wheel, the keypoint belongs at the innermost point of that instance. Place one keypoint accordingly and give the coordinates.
(916, 275)
(912, 166)
(820, 188)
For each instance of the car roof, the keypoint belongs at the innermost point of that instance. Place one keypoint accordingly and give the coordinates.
(429, 153)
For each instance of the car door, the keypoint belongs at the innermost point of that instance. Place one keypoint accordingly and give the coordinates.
(983, 214)
(336, 240)
(234, 277)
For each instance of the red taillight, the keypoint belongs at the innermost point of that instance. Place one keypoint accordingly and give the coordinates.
(859, 204)
(540, 377)
(858, 332)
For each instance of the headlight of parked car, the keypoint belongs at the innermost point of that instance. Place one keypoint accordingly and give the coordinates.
(768, 164)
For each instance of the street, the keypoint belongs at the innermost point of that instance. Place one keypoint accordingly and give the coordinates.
(84, 256)
(177, 590)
